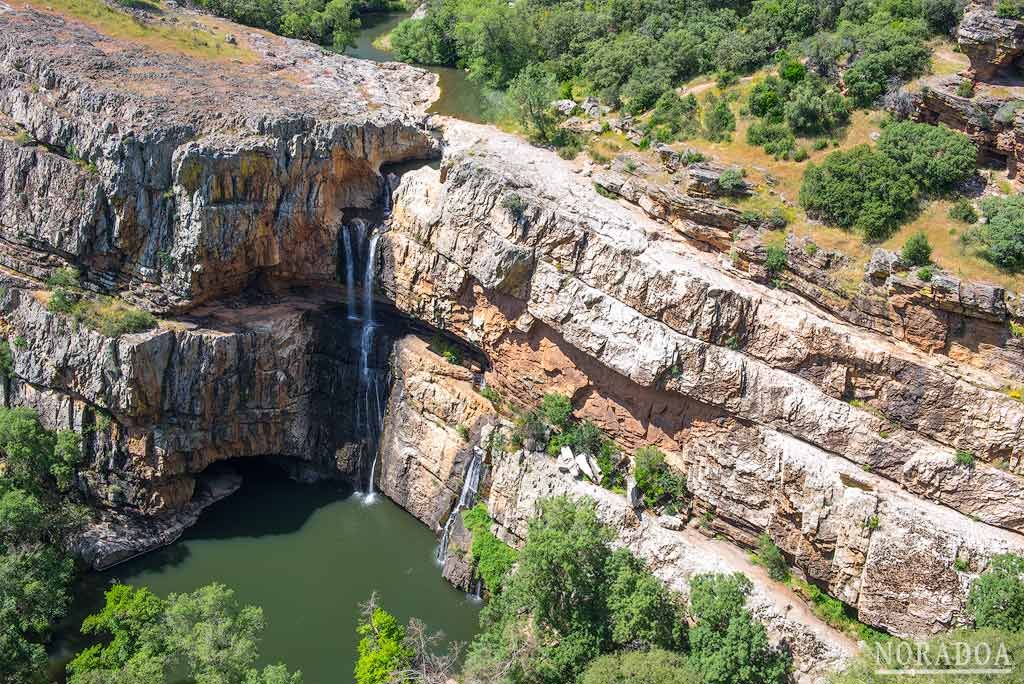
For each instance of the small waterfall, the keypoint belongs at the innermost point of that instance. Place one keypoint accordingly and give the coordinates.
(387, 194)
(470, 485)
(371, 410)
(350, 273)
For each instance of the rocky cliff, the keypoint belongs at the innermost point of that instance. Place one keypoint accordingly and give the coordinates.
(836, 440)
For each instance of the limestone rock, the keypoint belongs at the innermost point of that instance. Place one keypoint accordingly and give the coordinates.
(991, 42)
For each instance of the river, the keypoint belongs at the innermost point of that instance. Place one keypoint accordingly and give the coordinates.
(460, 97)
(308, 555)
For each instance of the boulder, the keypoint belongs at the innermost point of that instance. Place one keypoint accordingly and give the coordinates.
(992, 43)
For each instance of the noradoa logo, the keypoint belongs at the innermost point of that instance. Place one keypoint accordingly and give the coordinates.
(953, 658)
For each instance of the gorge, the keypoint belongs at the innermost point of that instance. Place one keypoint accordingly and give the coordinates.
(367, 295)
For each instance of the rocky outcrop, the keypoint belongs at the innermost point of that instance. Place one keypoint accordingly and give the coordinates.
(658, 343)
(433, 414)
(174, 181)
(992, 43)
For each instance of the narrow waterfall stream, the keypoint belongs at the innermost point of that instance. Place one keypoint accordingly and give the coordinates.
(470, 485)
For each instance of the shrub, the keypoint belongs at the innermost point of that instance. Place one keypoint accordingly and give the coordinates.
(655, 479)
(491, 395)
(1001, 239)
(1010, 9)
(964, 458)
(530, 431)
(767, 100)
(775, 138)
(63, 277)
(382, 647)
(800, 154)
(514, 205)
(112, 317)
(656, 666)
(926, 273)
(463, 431)
(814, 108)
(719, 121)
(492, 558)
(770, 556)
(873, 522)
(557, 410)
(22, 138)
(963, 211)
(6, 360)
(936, 157)
(917, 251)
(731, 181)
(942, 16)
(996, 598)
(677, 116)
(1016, 329)
(775, 260)
(965, 89)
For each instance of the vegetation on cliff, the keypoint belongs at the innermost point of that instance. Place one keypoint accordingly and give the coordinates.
(492, 558)
(576, 608)
(37, 515)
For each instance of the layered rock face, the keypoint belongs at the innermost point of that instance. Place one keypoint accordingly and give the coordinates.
(174, 181)
(837, 441)
(994, 44)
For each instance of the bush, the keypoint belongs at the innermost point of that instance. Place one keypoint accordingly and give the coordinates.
(814, 108)
(64, 277)
(657, 481)
(965, 88)
(675, 115)
(942, 16)
(963, 211)
(492, 558)
(767, 100)
(926, 273)
(800, 155)
(382, 647)
(917, 251)
(775, 138)
(936, 157)
(770, 556)
(731, 181)
(775, 260)
(514, 205)
(1001, 239)
(996, 598)
(530, 431)
(1010, 9)
(557, 410)
(964, 458)
(719, 121)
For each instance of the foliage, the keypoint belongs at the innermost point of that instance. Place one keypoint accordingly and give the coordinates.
(492, 558)
(776, 138)
(770, 556)
(6, 360)
(726, 645)
(1000, 239)
(656, 480)
(382, 646)
(996, 599)
(719, 121)
(570, 600)
(108, 315)
(674, 117)
(514, 204)
(204, 635)
(775, 260)
(557, 410)
(731, 181)
(872, 190)
(331, 23)
(835, 612)
(1010, 9)
(656, 666)
(963, 211)
(926, 273)
(964, 458)
(531, 93)
(917, 251)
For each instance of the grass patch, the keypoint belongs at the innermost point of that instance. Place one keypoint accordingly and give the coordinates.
(836, 613)
(115, 23)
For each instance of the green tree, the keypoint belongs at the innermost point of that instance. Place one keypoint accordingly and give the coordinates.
(770, 556)
(642, 611)
(917, 251)
(656, 479)
(727, 646)
(382, 647)
(934, 156)
(1000, 239)
(557, 410)
(531, 93)
(996, 598)
(205, 636)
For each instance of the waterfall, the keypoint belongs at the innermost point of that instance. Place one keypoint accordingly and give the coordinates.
(470, 485)
(387, 194)
(350, 273)
(367, 379)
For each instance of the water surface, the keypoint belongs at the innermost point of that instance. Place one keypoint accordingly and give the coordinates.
(308, 555)
(460, 97)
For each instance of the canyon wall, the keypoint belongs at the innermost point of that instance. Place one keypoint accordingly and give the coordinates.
(837, 441)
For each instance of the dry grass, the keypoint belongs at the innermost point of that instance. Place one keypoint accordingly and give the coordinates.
(205, 43)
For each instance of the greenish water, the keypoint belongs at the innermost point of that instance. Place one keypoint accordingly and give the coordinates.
(460, 97)
(308, 555)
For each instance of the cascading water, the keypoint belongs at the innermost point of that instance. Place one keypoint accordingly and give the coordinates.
(367, 378)
(350, 273)
(470, 485)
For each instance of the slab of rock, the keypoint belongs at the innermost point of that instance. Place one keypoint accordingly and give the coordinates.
(992, 43)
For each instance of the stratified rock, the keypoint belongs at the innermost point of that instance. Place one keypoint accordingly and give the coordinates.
(992, 43)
